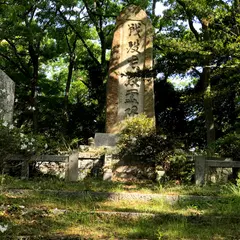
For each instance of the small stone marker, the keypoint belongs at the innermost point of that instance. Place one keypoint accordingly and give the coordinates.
(129, 87)
(107, 175)
(7, 91)
(72, 168)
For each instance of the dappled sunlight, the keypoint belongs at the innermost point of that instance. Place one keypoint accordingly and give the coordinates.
(70, 215)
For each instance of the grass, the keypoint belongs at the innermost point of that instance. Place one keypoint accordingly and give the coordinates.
(93, 184)
(47, 215)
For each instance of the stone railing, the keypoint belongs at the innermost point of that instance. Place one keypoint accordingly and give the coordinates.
(203, 164)
(69, 164)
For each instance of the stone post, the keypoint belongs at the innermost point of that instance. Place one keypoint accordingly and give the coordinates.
(200, 163)
(71, 174)
(25, 169)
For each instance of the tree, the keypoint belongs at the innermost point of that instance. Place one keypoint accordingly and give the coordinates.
(23, 33)
(198, 52)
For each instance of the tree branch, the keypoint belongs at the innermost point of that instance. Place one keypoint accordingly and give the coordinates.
(190, 20)
(16, 54)
(23, 71)
(79, 36)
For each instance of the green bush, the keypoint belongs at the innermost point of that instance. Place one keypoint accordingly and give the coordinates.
(135, 127)
(181, 166)
(15, 141)
(150, 148)
(138, 138)
(229, 146)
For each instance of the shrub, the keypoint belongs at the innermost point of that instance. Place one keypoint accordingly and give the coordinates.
(138, 137)
(135, 127)
(229, 146)
(14, 141)
(181, 166)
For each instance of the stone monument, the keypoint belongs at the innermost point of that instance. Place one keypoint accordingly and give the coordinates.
(7, 91)
(130, 88)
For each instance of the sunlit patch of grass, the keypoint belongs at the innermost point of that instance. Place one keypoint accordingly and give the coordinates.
(153, 206)
(53, 183)
(47, 213)
(183, 229)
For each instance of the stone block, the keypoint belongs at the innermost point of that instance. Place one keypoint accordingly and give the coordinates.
(85, 164)
(7, 92)
(105, 139)
(200, 170)
(107, 175)
(72, 167)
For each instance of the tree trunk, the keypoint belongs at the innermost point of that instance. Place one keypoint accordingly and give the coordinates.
(208, 106)
(153, 7)
(207, 95)
(68, 85)
(34, 82)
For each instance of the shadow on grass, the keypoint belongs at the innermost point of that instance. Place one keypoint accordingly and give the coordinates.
(43, 223)
(38, 215)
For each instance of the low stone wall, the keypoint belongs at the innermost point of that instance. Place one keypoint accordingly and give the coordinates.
(123, 170)
(213, 169)
(53, 168)
(128, 169)
(89, 167)
(80, 165)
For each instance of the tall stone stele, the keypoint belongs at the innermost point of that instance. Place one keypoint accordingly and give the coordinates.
(7, 92)
(130, 86)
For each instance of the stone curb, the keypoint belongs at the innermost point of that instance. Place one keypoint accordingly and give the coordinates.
(112, 196)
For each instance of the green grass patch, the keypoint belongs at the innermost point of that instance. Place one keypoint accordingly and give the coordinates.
(98, 185)
(50, 215)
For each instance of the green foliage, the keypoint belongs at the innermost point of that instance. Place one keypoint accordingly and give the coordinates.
(234, 188)
(138, 137)
(9, 140)
(181, 167)
(57, 53)
(14, 140)
(134, 127)
(229, 146)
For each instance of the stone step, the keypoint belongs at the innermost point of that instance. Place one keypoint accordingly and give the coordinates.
(112, 196)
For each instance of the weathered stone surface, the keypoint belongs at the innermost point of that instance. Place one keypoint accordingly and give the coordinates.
(72, 169)
(85, 164)
(7, 91)
(105, 139)
(107, 175)
(130, 85)
(53, 168)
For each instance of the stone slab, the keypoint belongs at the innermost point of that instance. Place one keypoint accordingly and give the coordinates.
(7, 93)
(72, 168)
(105, 139)
(130, 82)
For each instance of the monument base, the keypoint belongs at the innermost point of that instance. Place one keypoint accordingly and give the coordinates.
(105, 139)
